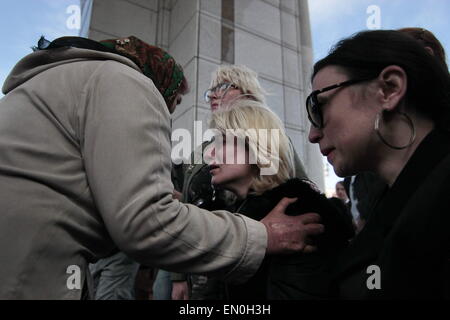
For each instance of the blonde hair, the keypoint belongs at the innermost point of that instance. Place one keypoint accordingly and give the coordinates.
(242, 77)
(248, 114)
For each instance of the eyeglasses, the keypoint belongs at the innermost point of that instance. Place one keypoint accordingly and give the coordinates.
(313, 106)
(221, 87)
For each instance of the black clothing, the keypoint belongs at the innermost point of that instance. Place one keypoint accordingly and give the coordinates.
(367, 189)
(407, 235)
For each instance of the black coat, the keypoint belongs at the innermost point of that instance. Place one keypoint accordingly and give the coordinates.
(299, 276)
(408, 234)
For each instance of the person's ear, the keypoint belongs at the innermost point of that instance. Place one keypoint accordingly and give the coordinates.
(393, 84)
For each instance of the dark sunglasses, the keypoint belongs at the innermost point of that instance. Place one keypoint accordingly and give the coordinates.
(313, 107)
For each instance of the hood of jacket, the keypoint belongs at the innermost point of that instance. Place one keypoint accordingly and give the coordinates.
(40, 61)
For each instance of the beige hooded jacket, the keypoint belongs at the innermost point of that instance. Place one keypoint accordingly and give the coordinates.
(85, 168)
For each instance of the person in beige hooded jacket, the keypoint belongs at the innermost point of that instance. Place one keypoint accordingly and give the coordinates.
(85, 169)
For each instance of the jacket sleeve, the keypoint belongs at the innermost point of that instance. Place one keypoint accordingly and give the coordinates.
(124, 129)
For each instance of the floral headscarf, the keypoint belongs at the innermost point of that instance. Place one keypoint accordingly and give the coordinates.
(154, 62)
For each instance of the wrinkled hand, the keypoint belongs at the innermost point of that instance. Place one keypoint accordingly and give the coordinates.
(288, 234)
(180, 290)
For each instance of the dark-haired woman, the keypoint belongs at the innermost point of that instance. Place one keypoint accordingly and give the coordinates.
(380, 103)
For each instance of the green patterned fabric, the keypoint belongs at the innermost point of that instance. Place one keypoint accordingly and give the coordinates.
(154, 62)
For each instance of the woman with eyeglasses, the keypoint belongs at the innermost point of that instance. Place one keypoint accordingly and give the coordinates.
(381, 103)
(229, 84)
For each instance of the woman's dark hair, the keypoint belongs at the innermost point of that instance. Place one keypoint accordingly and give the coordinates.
(365, 54)
(427, 39)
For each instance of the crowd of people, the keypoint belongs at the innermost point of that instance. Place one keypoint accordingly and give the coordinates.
(87, 183)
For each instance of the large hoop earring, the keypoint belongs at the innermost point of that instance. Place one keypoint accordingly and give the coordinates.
(410, 124)
(232, 101)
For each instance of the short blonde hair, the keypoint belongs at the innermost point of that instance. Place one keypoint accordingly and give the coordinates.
(249, 114)
(242, 77)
